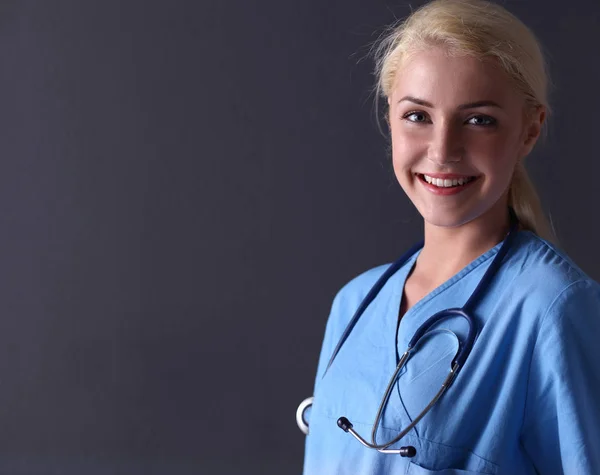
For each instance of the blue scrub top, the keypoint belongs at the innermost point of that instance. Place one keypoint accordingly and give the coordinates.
(527, 400)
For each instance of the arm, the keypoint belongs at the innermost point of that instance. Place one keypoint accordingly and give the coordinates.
(561, 426)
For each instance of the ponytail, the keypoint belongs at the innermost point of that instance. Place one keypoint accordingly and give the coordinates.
(526, 203)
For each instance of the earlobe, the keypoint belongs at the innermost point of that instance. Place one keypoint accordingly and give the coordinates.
(534, 129)
(533, 134)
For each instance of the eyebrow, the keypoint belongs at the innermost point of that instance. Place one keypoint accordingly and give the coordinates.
(470, 105)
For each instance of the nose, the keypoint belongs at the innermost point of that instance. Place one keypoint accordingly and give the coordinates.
(446, 144)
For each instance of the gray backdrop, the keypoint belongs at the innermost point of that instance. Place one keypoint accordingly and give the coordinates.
(184, 187)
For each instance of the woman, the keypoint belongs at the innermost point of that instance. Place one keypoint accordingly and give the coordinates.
(466, 88)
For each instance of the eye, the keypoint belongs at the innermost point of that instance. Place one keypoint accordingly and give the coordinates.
(416, 116)
(482, 120)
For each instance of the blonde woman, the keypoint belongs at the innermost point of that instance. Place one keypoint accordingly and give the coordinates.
(508, 380)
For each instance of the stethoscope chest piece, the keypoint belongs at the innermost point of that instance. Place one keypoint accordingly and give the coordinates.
(304, 405)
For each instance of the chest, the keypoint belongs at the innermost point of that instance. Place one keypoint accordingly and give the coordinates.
(488, 394)
(416, 288)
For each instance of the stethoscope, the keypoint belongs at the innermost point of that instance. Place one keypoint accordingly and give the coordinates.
(464, 348)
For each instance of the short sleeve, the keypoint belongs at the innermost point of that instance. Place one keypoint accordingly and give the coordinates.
(561, 427)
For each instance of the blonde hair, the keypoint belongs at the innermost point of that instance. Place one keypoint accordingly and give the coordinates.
(484, 30)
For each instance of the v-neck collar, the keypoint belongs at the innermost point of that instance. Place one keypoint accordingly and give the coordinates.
(390, 306)
(401, 276)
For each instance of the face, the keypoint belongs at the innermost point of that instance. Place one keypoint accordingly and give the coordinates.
(458, 128)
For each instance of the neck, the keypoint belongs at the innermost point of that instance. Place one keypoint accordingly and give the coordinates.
(448, 250)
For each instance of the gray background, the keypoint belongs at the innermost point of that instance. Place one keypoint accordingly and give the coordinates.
(184, 186)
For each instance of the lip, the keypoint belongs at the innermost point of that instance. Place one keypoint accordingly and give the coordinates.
(446, 191)
(449, 176)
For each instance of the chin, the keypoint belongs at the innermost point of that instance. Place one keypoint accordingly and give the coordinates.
(456, 218)
(446, 221)
(449, 219)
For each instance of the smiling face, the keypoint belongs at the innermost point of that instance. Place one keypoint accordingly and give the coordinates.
(458, 128)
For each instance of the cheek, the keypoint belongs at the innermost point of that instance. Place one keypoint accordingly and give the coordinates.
(403, 163)
(497, 164)
(504, 151)
(406, 149)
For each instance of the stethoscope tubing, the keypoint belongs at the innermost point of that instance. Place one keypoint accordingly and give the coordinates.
(457, 363)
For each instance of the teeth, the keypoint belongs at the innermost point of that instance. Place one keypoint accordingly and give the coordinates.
(446, 183)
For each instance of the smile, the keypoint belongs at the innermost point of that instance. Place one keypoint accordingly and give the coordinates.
(446, 182)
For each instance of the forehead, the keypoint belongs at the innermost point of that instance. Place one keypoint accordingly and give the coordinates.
(445, 80)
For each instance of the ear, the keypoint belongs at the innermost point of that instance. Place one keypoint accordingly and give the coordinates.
(534, 122)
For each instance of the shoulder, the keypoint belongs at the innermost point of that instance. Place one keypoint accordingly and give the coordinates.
(350, 296)
(355, 290)
(545, 270)
(565, 295)
(345, 304)
(563, 379)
